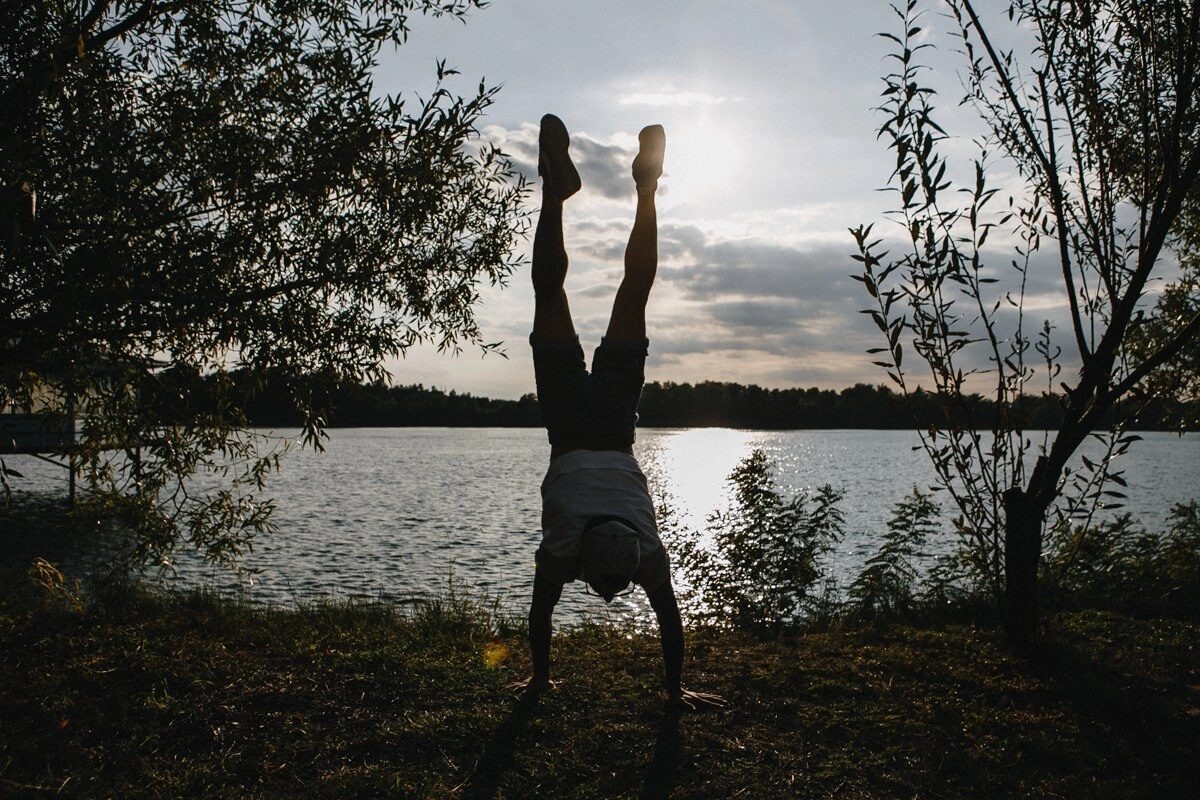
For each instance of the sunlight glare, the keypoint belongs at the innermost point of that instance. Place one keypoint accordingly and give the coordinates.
(704, 157)
(696, 465)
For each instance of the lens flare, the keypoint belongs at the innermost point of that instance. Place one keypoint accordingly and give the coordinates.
(495, 653)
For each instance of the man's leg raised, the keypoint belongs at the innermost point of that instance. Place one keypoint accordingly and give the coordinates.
(628, 320)
(552, 316)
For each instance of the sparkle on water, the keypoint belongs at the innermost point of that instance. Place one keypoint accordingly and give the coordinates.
(395, 512)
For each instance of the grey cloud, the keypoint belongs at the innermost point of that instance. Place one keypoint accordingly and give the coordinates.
(599, 228)
(708, 270)
(789, 301)
(773, 313)
(603, 241)
(701, 339)
(755, 314)
(783, 329)
(832, 373)
(597, 290)
(754, 297)
(522, 148)
(604, 168)
(679, 241)
(604, 250)
(1043, 275)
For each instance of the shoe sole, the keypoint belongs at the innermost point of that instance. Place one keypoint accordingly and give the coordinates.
(555, 167)
(652, 146)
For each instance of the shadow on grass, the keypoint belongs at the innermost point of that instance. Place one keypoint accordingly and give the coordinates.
(661, 776)
(1135, 700)
(199, 697)
(662, 773)
(498, 755)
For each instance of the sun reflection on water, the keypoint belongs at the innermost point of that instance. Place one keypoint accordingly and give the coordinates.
(690, 468)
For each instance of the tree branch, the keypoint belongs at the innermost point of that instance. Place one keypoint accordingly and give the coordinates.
(93, 16)
(1064, 248)
(1006, 83)
(1160, 227)
(1101, 243)
(1164, 354)
(144, 12)
(1048, 164)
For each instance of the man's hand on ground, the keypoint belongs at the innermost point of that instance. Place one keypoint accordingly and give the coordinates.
(695, 701)
(531, 685)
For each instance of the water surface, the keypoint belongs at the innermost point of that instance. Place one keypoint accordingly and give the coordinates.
(396, 512)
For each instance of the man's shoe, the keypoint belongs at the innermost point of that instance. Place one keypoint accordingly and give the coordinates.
(648, 166)
(560, 179)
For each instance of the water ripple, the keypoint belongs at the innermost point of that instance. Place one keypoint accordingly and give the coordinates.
(396, 512)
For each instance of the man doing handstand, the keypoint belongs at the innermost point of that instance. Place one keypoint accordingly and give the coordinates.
(598, 520)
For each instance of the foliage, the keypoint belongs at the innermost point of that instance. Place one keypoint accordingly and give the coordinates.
(886, 587)
(1175, 386)
(1102, 131)
(1120, 565)
(221, 184)
(950, 588)
(755, 565)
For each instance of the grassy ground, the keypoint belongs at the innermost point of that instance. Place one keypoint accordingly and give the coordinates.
(193, 697)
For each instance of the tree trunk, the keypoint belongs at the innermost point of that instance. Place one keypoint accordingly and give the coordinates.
(1023, 516)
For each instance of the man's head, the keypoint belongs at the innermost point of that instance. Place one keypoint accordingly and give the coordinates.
(609, 557)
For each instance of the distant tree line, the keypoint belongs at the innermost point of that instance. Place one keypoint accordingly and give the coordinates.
(708, 404)
(734, 405)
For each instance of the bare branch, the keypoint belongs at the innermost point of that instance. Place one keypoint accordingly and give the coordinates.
(1164, 354)
(1103, 247)
(1006, 82)
(1059, 203)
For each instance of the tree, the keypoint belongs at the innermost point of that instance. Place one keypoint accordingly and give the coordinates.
(1102, 129)
(220, 184)
(1175, 386)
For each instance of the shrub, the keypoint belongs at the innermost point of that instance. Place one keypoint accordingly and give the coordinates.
(885, 588)
(1119, 565)
(755, 565)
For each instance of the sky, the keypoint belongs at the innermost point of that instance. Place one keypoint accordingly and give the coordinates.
(771, 157)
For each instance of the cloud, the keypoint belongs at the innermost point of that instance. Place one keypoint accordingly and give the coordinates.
(735, 305)
(708, 269)
(597, 290)
(753, 315)
(675, 98)
(603, 165)
(770, 303)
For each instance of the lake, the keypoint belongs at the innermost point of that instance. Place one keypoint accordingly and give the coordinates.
(395, 512)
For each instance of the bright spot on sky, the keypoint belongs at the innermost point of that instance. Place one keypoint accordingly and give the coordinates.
(705, 155)
(671, 98)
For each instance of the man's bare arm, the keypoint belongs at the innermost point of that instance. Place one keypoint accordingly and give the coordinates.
(541, 611)
(670, 628)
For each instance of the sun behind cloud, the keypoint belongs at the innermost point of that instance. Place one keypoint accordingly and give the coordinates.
(705, 155)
